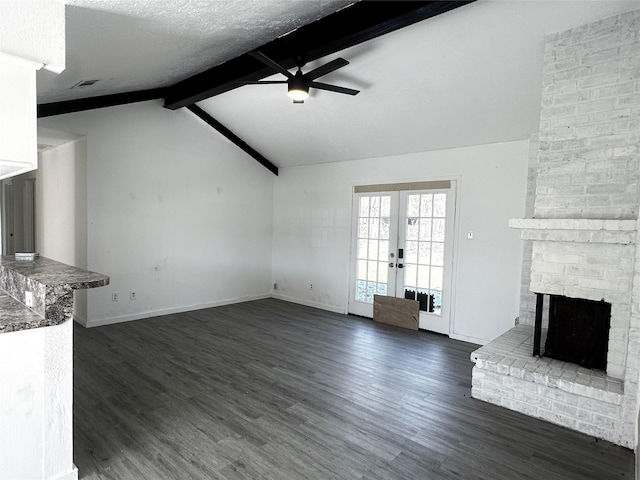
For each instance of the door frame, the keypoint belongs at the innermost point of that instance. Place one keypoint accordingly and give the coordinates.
(6, 217)
(456, 195)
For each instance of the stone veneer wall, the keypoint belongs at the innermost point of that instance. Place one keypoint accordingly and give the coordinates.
(587, 171)
(590, 122)
(527, 298)
(588, 167)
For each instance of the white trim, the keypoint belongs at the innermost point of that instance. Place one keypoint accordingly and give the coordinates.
(16, 163)
(71, 475)
(454, 259)
(308, 303)
(20, 61)
(168, 311)
(58, 69)
(465, 338)
(81, 320)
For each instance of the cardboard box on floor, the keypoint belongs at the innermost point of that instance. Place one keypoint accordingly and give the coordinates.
(396, 311)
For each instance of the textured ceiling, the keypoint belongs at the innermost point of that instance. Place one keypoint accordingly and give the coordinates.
(467, 77)
(135, 45)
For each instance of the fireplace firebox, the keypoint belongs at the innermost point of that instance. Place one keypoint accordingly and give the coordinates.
(578, 330)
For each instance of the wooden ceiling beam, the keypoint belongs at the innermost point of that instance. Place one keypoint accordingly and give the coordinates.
(212, 122)
(90, 103)
(352, 25)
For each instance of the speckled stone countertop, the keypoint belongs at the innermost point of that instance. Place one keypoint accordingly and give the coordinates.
(15, 316)
(49, 272)
(50, 285)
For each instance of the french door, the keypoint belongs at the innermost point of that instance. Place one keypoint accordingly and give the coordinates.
(402, 247)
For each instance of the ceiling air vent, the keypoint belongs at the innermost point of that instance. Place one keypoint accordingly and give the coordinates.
(84, 83)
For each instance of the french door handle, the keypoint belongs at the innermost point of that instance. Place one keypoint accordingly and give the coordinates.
(391, 264)
(400, 265)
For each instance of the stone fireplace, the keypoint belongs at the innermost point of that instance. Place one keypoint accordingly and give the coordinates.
(581, 234)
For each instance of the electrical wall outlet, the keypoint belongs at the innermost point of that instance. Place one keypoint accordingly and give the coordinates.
(132, 295)
(311, 286)
(114, 297)
(28, 299)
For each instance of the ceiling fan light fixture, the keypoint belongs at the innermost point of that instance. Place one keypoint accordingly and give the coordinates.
(298, 93)
(298, 88)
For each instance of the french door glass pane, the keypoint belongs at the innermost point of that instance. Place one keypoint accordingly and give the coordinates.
(374, 221)
(424, 246)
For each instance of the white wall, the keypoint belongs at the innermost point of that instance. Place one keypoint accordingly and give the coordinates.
(22, 407)
(36, 433)
(175, 212)
(187, 220)
(312, 229)
(61, 204)
(61, 210)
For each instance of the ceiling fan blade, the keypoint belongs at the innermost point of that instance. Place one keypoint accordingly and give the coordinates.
(334, 88)
(267, 61)
(326, 68)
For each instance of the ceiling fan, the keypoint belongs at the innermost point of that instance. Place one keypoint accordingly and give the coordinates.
(299, 84)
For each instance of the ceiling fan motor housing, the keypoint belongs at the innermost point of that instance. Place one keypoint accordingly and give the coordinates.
(298, 87)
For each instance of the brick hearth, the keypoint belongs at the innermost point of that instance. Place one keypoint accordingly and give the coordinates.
(563, 393)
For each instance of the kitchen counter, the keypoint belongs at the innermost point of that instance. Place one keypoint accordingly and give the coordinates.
(36, 366)
(39, 292)
(16, 316)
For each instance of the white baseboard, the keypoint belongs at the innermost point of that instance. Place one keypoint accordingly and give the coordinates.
(71, 475)
(465, 338)
(308, 303)
(82, 321)
(168, 311)
(230, 301)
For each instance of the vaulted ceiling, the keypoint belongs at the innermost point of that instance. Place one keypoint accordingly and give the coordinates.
(455, 74)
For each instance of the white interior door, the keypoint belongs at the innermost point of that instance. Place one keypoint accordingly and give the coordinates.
(402, 246)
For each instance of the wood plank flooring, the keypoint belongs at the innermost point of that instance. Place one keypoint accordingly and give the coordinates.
(277, 391)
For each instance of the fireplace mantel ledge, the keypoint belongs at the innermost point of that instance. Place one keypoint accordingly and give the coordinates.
(583, 230)
(573, 224)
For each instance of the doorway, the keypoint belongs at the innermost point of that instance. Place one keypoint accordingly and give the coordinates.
(402, 246)
(18, 214)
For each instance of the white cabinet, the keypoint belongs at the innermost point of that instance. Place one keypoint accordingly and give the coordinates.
(18, 117)
(32, 37)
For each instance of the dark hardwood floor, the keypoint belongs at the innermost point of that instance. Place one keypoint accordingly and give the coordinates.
(273, 390)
